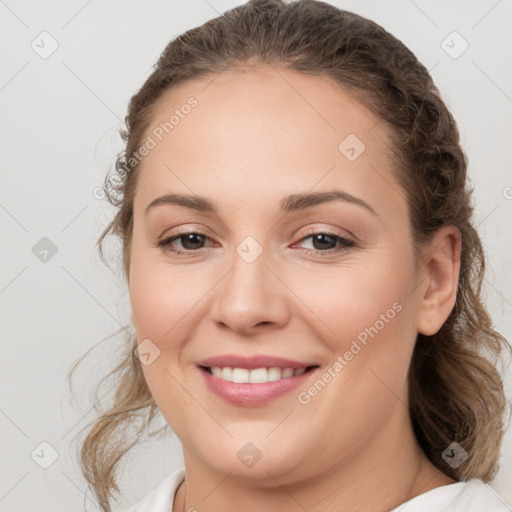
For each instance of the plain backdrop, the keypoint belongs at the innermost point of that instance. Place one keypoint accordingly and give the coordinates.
(60, 119)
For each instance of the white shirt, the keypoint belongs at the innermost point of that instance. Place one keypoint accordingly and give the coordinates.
(470, 496)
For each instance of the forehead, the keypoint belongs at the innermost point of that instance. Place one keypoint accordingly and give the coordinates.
(263, 130)
(265, 102)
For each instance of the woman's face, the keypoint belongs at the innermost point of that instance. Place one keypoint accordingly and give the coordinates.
(260, 279)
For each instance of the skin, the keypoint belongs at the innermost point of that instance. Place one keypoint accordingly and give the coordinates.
(256, 136)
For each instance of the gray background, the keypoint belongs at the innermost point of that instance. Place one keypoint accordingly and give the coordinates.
(60, 117)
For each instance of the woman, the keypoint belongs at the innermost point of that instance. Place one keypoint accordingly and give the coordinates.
(304, 276)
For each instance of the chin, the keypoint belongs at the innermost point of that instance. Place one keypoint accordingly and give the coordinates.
(262, 461)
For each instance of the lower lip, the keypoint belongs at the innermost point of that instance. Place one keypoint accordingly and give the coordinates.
(252, 395)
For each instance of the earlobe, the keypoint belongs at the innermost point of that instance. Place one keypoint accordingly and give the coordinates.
(442, 267)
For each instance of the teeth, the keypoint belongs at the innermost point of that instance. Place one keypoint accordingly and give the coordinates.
(239, 375)
(287, 372)
(274, 373)
(227, 374)
(256, 376)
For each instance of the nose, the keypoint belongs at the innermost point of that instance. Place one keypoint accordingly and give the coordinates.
(251, 298)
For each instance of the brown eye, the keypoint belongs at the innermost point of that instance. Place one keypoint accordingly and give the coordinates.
(191, 241)
(326, 242)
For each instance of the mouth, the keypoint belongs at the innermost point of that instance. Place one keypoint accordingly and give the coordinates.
(256, 375)
(256, 381)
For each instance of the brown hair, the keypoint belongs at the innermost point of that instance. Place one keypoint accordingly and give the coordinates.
(455, 390)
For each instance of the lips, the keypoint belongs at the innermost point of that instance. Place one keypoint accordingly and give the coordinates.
(290, 375)
(252, 362)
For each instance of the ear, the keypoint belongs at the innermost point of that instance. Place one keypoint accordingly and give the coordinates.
(440, 268)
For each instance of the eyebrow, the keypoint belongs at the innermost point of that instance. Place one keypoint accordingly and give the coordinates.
(288, 204)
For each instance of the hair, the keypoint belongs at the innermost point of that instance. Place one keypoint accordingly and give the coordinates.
(455, 390)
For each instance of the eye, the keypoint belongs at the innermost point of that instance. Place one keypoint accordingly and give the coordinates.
(191, 241)
(324, 242)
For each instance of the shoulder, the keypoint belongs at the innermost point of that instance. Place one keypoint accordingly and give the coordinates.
(161, 498)
(466, 496)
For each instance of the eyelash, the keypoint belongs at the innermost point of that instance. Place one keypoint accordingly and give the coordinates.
(345, 242)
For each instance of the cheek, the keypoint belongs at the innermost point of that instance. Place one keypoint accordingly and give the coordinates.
(162, 304)
(162, 299)
(372, 295)
(370, 349)
(371, 316)
(374, 319)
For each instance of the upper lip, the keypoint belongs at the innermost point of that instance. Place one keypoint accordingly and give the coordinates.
(251, 362)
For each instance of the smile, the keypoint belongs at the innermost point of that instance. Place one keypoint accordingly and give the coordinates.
(254, 376)
(244, 387)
